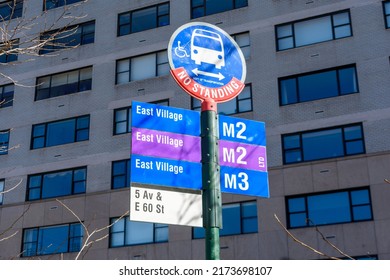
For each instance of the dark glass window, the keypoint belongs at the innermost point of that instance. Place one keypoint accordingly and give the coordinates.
(329, 208)
(2, 183)
(200, 8)
(64, 83)
(60, 132)
(386, 10)
(4, 142)
(6, 95)
(55, 184)
(8, 46)
(321, 144)
(72, 36)
(126, 233)
(318, 85)
(52, 240)
(241, 104)
(314, 30)
(143, 19)
(243, 41)
(237, 218)
(120, 174)
(142, 67)
(122, 118)
(51, 4)
(11, 9)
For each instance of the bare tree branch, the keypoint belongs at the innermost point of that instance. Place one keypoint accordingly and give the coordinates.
(89, 241)
(19, 35)
(302, 243)
(12, 225)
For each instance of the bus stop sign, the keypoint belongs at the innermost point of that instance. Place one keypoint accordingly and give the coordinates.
(206, 62)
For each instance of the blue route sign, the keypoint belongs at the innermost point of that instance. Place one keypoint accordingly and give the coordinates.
(242, 157)
(206, 62)
(166, 172)
(157, 117)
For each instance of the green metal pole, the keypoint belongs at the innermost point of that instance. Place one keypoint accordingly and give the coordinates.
(212, 206)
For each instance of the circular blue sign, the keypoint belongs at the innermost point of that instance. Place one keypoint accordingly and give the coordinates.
(206, 62)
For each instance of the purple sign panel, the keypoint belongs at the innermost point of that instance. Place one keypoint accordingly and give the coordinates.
(163, 144)
(240, 155)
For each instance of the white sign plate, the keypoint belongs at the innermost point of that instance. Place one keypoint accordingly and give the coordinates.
(165, 207)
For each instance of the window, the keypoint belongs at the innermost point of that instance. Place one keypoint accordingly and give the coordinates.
(120, 174)
(325, 143)
(313, 30)
(55, 184)
(6, 95)
(241, 104)
(237, 218)
(143, 19)
(243, 41)
(122, 118)
(51, 4)
(81, 34)
(64, 83)
(52, 240)
(318, 85)
(386, 10)
(142, 67)
(60, 132)
(329, 208)
(4, 141)
(200, 8)
(7, 47)
(126, 233)
(2, 183)
(11, 9)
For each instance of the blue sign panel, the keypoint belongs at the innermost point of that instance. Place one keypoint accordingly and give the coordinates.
(163, 118)
(166, 172)
(206, 62)
(244, 181)
(241, 130)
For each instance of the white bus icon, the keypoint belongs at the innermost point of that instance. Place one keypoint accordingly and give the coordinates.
(207, 46)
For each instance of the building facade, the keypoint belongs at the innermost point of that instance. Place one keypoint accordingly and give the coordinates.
(317, 75)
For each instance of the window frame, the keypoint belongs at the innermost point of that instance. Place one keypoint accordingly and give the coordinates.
(129, 76)
(4, 146)
(240, 205)
(14, 11)
(293, 33)
(386, 16)
(307, 74)
(59, 3)
(6, 100)
(204, 7)
(52, 47)
(37, 240)
(9, 57)
(2, 187)
(244, 48)
(156, 227)
(52, 76)
(41, 186)
(306, 211)
(126, 175)
(237, 100)
(300, 149)
(131, 13)
(45, 138)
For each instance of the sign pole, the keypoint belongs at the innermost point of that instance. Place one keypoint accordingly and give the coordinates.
(212, 205)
